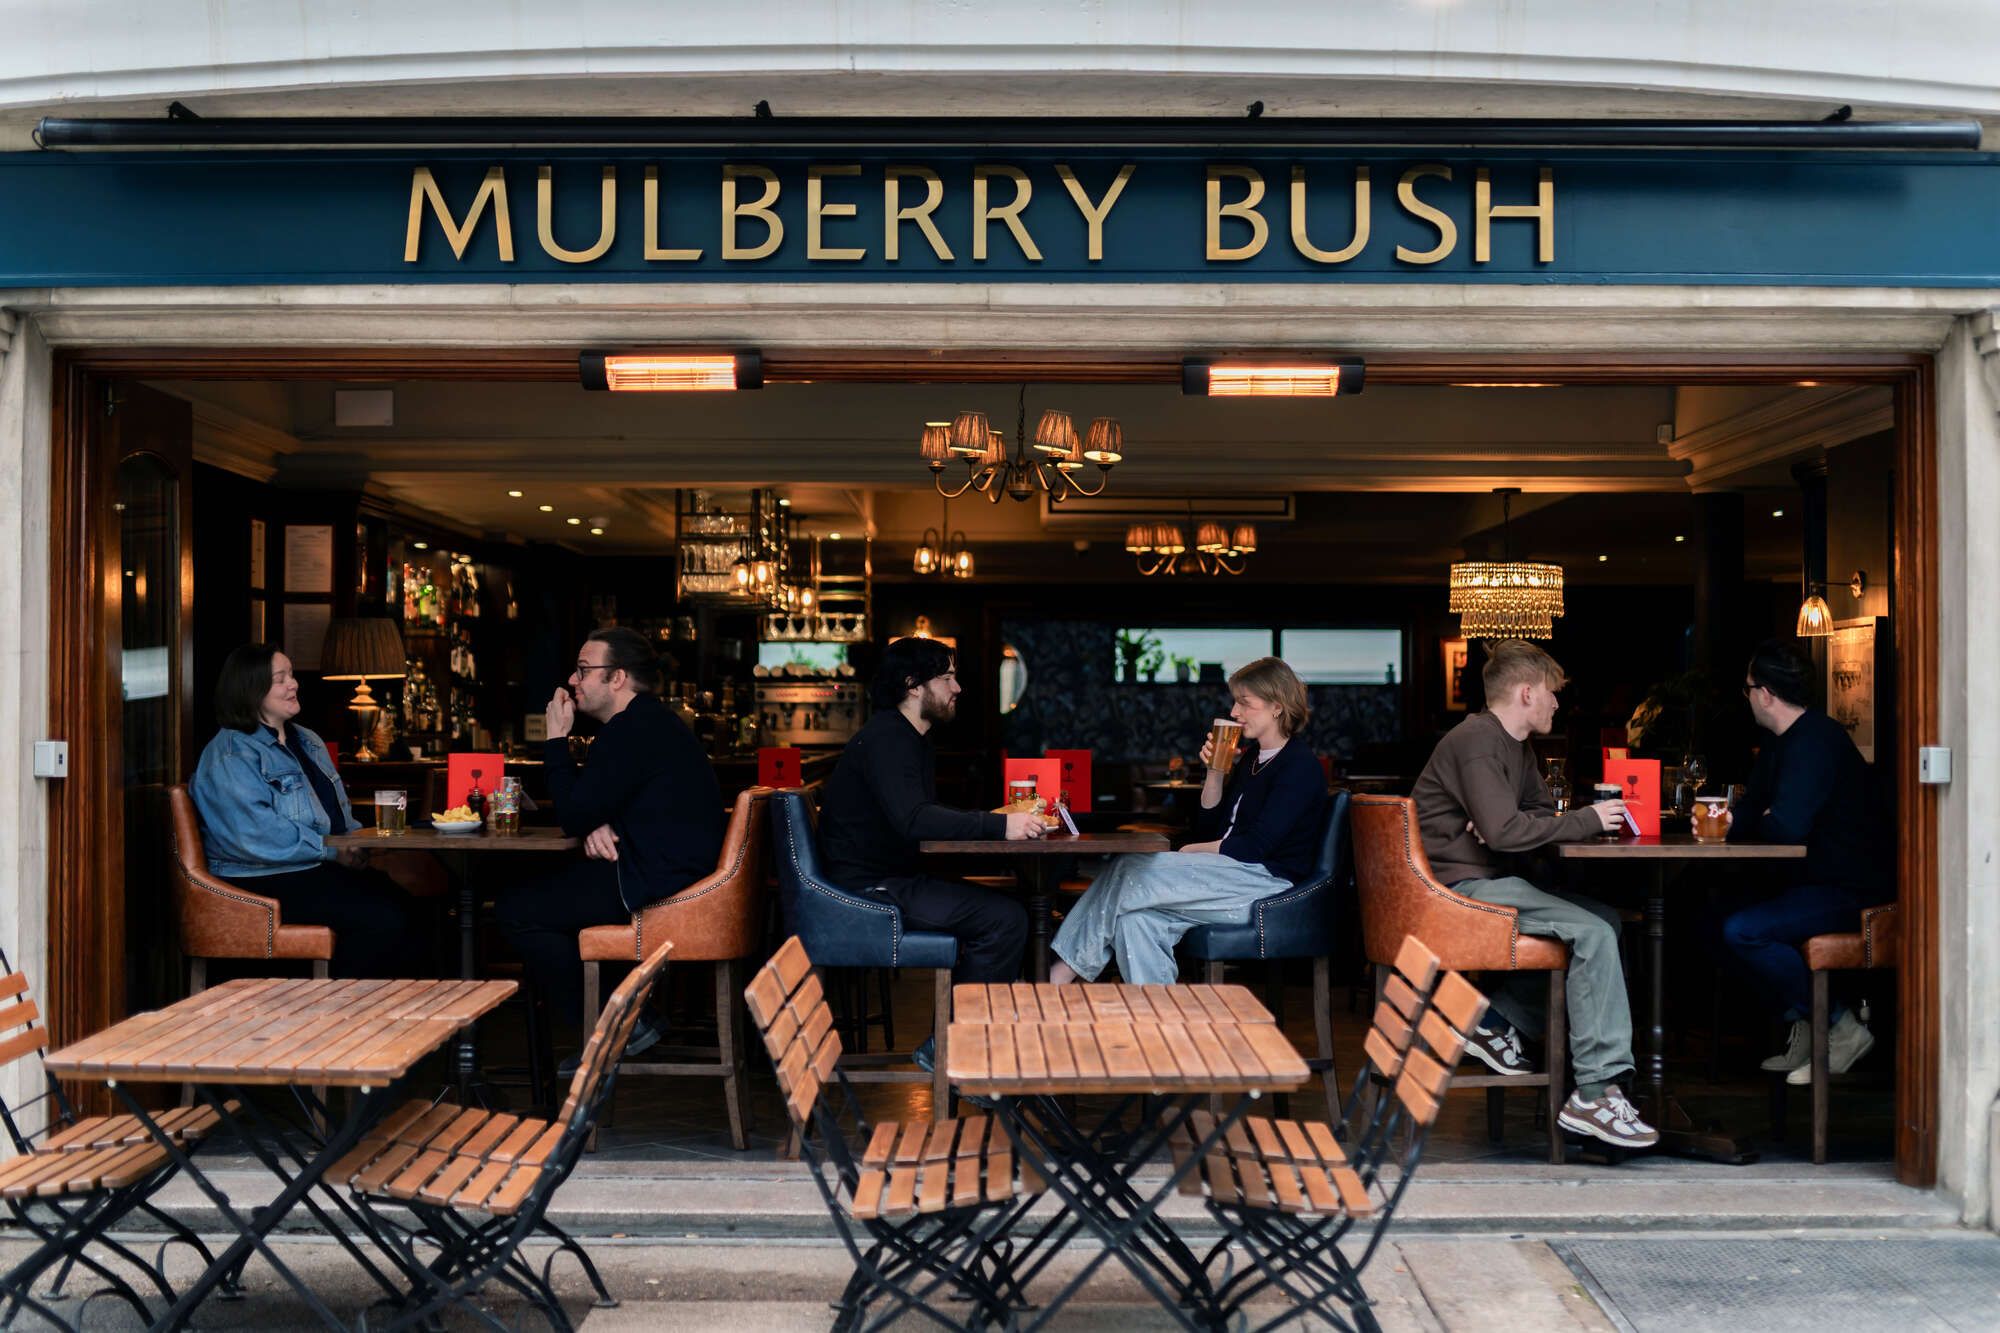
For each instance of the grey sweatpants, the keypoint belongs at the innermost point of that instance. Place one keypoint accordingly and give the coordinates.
(1600, 1014)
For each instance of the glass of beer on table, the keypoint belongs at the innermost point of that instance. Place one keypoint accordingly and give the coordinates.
(1223, 735)
(1609, 791)
(392, 813)
(1711, 818)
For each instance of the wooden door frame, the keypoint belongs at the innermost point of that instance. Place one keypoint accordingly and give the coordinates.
(82, 999)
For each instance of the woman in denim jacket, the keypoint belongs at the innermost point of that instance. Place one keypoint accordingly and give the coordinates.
(269, 799)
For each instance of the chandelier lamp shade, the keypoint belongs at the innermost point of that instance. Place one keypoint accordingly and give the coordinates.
(1162, 548)
(670, 372)
(1506, 598)
(1049, 461)
(1815, 616)
(362, 649)
(1286, 378)
(942, 550)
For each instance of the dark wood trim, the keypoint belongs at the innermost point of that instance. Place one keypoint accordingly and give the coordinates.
(1916, 564)
(84, 866)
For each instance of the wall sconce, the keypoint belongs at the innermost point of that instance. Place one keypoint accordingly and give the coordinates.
(1858, 583)
(1815, 616)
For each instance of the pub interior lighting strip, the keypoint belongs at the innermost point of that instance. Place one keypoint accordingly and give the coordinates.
(623, 372)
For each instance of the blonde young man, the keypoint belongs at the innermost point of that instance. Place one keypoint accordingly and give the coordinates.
(1481, 805)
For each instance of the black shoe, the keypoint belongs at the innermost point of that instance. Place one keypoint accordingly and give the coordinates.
(644, 1038)
(925, 1056)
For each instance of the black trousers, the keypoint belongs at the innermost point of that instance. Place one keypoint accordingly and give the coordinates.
(376, 932)
(541, 918)
(991, 928)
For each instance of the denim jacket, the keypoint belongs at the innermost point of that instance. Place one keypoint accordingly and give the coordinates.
(258, 812)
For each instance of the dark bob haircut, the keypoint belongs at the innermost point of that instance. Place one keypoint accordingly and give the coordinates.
(627, 650)
(1782, 671)
(241, 685)
(907, 664)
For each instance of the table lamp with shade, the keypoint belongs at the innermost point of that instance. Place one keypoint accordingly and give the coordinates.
(361, 649)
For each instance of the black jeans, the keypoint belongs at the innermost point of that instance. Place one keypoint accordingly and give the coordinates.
(375, 928)
(541, 918)
(991, 928)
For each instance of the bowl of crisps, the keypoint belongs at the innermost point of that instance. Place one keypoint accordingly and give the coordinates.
(458, 819)
(1034, 805)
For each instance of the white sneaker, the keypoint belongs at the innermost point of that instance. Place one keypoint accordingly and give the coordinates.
(1847, 1043)
(1798, 1050)
(1610, 1118)
(1499, 1049)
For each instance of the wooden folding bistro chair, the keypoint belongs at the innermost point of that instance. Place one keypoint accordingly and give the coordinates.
(73, 1179)
(920, 1210)
(478, 1183)
(1289, 1191)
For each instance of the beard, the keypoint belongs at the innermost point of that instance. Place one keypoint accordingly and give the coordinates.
(939, 708)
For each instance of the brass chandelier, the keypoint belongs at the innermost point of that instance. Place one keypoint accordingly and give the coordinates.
(1161, 548)
(1507, 598)
(1052, 463)
(943, 551)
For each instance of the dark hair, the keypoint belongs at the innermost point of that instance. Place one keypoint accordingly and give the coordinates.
(626, 650)
(241, 685)
(1782, 671)
(906, 664)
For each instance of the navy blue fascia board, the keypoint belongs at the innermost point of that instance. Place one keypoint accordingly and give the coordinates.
(297, 217)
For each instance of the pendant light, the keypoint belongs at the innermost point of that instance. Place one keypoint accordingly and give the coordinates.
(1507, 598)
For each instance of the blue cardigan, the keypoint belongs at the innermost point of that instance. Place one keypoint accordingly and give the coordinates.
(1283, 813)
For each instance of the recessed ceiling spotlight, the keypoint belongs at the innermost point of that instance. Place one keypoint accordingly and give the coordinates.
(546, 509)
(1680, 537)
(421, 546)
(784, 503)
(597, 532)
(513, 495)
(1602, 559)
(574, 522)
(833, 536)
(1777, 513)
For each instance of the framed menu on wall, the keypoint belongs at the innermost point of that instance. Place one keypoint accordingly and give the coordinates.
(309, 557)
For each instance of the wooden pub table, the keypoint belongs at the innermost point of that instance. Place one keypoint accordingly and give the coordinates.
(1678, 1131)
(457, 851)
(1034, 874)
(300, 1034)
(1162, 1051)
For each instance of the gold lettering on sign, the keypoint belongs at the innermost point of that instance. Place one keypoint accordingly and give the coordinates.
(894, 215)
(1406, 194)
(1303, 243)
(761, 210)
(545, 216)
(654, 250)
(1010, 214)
(817, 208)
(1244, 208)
(1095, 213)
(1543, 211)
(424, 189)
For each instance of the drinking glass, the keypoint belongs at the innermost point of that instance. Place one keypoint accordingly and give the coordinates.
(1695, 770)
(392, 813)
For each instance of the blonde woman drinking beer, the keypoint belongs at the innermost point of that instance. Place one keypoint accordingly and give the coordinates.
(1263, 809)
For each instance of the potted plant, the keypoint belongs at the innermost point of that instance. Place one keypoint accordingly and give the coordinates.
(1183, 670)
(1155, 658)
(1132, 646)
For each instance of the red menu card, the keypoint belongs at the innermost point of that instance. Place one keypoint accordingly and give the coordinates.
(778, 766)
(1047, 774)
(1641, 780)
(1075, 776)
(458, 776)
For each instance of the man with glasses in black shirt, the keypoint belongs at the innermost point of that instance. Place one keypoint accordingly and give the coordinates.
(881, 801)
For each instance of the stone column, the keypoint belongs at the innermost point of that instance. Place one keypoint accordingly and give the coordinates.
(24, 647)
(1968, 981)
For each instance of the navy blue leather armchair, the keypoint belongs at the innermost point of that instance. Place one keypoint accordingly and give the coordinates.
(841, 928)
(1294, 924)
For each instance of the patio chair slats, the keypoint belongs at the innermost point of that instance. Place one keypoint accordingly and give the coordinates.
(1417, 963)
(57, 1174)
(23, 1043)
(12, 984)
(184, 1124)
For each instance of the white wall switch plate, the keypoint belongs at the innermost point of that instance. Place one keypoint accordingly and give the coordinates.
(51, 759)
(1934, 765)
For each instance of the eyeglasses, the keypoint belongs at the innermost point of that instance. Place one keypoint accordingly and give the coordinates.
(585, 668)
(1750, 685)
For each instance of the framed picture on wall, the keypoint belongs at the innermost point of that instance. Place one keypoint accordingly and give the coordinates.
(1850, 681)
(257, 620)
(1454, 651)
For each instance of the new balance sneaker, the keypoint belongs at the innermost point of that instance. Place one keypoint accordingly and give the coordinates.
(1848, 1042)
(1798, 1050)
(1610, 1118)
(1499, 1050)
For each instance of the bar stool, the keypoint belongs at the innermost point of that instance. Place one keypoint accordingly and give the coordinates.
(1877, 945)
(717, 920)
(1400, 897)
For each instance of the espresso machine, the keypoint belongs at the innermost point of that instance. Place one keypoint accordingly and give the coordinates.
(809, 712)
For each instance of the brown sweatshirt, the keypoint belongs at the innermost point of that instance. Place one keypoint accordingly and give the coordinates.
(1479, 773)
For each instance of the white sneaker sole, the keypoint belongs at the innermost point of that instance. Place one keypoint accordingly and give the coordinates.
(1603, 1135)
(1784, 1064)
(1802, 1076)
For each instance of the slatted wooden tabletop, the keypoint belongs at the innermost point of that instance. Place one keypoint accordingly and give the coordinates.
(1023, 1039)
(279, 1031)
(1678, 847)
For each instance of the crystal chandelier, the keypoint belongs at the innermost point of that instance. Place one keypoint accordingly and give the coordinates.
(1508, 598)
(1161, 548)
(1051, 463)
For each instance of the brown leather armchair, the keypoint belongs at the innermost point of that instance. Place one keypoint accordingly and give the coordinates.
(1400, 897)
(220, 920)
(1877, 945)
(718, 919)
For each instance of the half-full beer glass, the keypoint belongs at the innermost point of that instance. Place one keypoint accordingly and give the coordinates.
(1223, 735)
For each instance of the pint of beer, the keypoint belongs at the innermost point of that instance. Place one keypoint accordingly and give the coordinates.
(1223, 734)
(1711, 819)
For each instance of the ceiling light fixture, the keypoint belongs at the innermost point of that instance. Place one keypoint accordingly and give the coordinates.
(1508, 598)
(1287, 379)
(574, 522)
(942, 551)
(1815, 616)
(630, 372)
(546, 509)
(597, 532)
(1058, 454)
(514, 495)
(1162, 548)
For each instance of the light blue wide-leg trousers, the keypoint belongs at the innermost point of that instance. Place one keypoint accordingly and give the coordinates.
(1143, 903)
